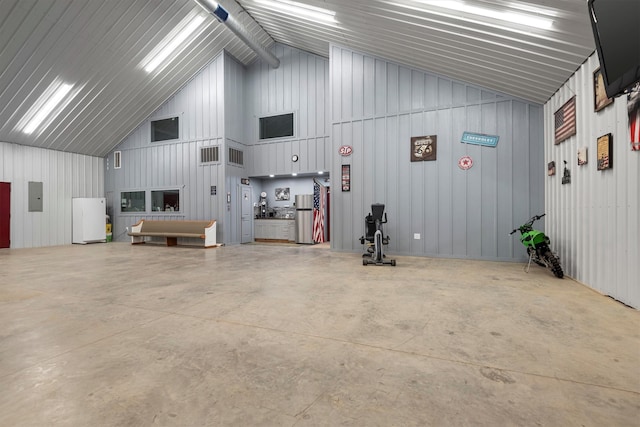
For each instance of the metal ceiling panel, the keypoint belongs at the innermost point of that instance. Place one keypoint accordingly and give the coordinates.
(518, 60)
(99, 47)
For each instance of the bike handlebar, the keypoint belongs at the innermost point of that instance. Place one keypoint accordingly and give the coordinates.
(530, 222)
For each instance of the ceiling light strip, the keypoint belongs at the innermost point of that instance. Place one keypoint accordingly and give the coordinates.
(512, 17)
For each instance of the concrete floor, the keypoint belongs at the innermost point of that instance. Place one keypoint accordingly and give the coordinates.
(280, 335)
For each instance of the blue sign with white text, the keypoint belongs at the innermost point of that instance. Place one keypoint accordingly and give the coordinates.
(479, 139)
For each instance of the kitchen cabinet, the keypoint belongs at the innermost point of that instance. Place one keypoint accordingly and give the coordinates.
(274, 229)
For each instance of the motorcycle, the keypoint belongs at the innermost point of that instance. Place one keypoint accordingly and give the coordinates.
(537, 244)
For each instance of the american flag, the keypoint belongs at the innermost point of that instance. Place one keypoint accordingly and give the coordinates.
(565, 121)
(633, 107)
(319, 192)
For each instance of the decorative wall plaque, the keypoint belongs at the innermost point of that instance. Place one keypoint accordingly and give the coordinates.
(423, 148)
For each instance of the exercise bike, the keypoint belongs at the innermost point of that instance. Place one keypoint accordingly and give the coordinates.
(374, 237)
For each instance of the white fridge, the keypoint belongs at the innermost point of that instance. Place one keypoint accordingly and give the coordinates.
(89, 220)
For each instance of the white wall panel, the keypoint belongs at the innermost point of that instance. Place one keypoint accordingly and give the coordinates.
(595, 220)
(466, 214)
(63, 176)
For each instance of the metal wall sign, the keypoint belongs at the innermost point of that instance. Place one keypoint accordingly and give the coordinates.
(345, 150)
(465, 162)
(479, 139)
(346, 177)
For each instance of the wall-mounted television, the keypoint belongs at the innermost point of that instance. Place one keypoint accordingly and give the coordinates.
(616, 29)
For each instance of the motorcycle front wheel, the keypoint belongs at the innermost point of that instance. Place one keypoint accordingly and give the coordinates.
(554, 264)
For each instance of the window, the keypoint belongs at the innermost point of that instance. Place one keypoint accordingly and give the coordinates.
(165, 200)
(236, 156)
(209, 154)
(165, 129)
(117, 159)
(132, 201)
(276, 126)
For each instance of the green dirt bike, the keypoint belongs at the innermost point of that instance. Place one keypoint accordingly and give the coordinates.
(537, 244)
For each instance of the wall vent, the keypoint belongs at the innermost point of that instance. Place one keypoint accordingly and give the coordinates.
(209, 154)
(236, 156)
(117, 159)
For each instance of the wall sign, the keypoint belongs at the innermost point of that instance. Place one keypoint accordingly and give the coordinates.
(465, 162)
(345, 150)
(423, 148)
(479, 139)
(346, 177)
(605, 152)
(566, 175)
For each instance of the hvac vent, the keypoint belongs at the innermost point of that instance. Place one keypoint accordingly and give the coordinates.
(209, 154)
(117, 159)
(236, 157)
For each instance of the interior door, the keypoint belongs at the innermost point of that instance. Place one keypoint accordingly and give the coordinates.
(246, 222)
(5, 214)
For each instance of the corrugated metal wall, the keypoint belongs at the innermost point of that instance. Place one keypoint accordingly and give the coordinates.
(595, 220)
(299, 85)
(377, 106)
(63, 176)
(146, 165)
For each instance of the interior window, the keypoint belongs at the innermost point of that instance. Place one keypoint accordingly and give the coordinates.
(165, 200)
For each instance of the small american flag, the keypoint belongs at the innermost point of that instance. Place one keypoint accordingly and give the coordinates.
(565, 121)
(319, 192)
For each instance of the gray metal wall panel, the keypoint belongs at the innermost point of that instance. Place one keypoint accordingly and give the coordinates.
(63, 176)
(301, 85)
(175, 164)
(457, 213)
(594, 222)
(504, 176)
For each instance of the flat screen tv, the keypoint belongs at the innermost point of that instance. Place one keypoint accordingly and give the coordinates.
(616, 29)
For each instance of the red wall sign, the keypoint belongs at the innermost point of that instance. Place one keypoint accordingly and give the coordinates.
(345, 150)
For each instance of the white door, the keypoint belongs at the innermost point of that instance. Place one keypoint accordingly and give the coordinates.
(246, 222)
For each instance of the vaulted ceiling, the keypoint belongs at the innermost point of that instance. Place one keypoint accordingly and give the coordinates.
(100, 47)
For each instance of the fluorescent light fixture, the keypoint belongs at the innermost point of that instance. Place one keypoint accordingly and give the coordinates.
(513, 17)
(301, 10)
(56, 94)
(172, 42)
(320, 172)
(294, 174)
(212, 3)
(271, 175)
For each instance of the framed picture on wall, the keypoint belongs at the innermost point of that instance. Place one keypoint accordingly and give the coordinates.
(282, 193)
(605, 152)
(600, 99)
(583, 157)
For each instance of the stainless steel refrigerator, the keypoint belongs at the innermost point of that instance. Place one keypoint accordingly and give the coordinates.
(304, 218)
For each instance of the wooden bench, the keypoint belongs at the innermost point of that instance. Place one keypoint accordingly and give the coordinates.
(173, 229)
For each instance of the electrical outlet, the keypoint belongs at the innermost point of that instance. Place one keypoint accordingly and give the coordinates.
(416, 236)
